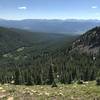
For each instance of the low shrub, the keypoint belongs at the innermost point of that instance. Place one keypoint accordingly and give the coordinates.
(79, 82)
(98, 81)
(54, 84)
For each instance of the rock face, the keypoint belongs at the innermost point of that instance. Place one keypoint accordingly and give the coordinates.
(88, 42)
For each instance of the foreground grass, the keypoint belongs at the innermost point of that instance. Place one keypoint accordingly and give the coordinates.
(87, 91)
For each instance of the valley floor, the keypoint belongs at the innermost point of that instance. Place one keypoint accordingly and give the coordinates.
(86, 91)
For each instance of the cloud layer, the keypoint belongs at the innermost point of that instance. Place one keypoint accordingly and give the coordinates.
(22, 8)
(94, 7)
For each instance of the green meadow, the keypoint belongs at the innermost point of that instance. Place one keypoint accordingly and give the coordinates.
(86, 91)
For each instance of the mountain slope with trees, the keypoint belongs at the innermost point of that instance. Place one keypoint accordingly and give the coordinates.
(12, 39)
(51, 62)
(88, 42)
(26, 55)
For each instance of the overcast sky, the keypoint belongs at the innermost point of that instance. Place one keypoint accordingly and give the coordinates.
(50, 9)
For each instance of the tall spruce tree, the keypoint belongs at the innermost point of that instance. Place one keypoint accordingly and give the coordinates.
(18, 77)
(50, 76)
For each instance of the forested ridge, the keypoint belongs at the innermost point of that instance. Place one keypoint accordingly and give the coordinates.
(44, 59)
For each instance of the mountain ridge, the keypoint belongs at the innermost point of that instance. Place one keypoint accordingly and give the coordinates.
(88, 42)
(69, 26)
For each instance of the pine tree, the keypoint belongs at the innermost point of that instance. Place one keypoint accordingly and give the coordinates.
(28, 78)
(18, 77)
(29, 81)
(69, 78)
(50, 76)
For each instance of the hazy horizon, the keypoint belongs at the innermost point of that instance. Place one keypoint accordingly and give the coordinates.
(69, 19)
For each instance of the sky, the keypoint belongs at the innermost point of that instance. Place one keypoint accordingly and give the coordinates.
(49, 9)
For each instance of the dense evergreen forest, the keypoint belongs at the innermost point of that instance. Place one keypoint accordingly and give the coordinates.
(40, 58)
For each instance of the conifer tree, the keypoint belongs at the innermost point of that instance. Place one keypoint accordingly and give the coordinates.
(18, 77)
(50, 76)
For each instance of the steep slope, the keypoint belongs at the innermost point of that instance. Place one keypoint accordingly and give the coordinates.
(88, 42)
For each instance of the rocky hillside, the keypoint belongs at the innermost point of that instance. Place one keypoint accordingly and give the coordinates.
(88, 42)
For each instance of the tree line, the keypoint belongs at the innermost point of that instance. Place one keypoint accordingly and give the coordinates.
(60, 67)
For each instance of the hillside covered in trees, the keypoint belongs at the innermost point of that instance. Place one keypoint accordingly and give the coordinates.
(89, 42)
(32, 58)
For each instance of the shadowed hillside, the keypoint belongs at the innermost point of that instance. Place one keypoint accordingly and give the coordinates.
(12, 39)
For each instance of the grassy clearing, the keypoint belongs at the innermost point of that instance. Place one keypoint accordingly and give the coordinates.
(87, 91)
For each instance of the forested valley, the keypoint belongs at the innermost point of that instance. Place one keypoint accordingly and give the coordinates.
(32, 58)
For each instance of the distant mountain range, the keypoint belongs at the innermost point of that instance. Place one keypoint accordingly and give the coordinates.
(70, 26)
